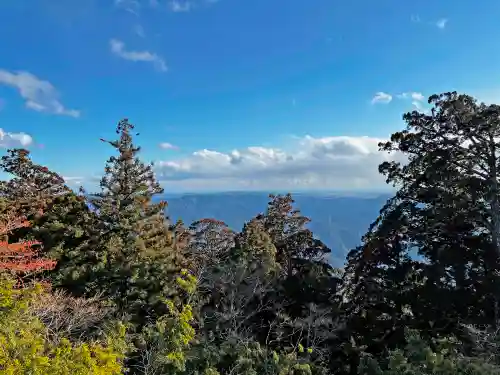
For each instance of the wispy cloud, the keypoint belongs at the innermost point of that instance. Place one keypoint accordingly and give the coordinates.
(118, 48)
(168, 146)
(136, 7)
(418, 106)
(13, 140)
(180, 6)
(442, 23)
(39, 95)
(417, 100)
(131, 6)
(139, 31)
(381, 97)
(415, 18)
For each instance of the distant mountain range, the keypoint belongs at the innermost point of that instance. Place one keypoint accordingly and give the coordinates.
(338, 220)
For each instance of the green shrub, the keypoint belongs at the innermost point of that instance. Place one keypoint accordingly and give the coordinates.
(26, 347)
(418, 358)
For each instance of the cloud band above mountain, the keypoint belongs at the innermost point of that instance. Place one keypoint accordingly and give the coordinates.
(309, 163)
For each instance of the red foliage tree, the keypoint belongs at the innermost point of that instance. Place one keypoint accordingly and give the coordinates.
(24, 198)
(21, 258)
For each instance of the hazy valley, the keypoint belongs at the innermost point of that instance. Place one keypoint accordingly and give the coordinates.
(338, 220)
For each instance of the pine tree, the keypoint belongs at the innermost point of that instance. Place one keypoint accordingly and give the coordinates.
(127, 256)
(125, 204)
(307, 291)
(254, 244)
(446, 211)
(296, 247)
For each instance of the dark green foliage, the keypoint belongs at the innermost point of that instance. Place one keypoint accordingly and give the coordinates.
(250, 358)
(41, 196)
(418, 358)
(444, 210)
(208, 300)
(273, 286)
(32, 187)
(126, 255)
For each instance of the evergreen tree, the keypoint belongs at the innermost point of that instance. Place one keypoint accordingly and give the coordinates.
(127, 256)
(445, 211)
(33, 187)
(39, 198)
(125, 204)
(451, 183)
(419, 358)
(276, 286)
(380, 294)
(33, 190)
(307, 277)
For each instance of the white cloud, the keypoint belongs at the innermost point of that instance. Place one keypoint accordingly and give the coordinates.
(168, 146)
(381, 97)
(412, 95)
(180, 6)
(310, 163)
(14, 140)
(118, 48)
(417, 96)
(417, 100)
(40, 95)
(442, 23)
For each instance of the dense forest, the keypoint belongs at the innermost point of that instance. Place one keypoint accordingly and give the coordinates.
(104, 283)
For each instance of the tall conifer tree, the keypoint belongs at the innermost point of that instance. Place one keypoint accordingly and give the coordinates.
(128, 256)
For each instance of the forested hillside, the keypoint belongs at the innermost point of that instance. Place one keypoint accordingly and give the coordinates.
(338, 220)
(103, 283)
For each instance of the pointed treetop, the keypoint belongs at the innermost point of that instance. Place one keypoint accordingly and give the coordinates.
(124, 144)
(124, 126)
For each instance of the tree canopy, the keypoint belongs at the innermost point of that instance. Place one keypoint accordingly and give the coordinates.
(118, 288)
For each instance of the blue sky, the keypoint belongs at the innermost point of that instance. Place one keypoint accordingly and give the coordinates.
(260, 94)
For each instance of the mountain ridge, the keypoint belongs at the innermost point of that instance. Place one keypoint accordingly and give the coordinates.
(338, 220)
